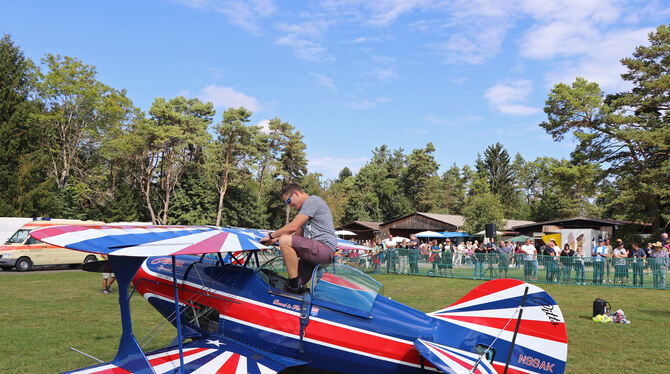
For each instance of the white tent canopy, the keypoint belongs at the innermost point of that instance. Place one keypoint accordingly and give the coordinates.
(429, 234)
(398, 239)
(345, 233)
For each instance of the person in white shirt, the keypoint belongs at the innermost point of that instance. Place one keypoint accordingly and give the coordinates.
(529, 252)
(391, 255)
(599, 254)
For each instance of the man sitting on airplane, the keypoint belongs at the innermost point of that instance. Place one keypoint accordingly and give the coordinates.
(306, 241)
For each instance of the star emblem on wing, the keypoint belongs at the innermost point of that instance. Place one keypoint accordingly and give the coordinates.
(215, 342)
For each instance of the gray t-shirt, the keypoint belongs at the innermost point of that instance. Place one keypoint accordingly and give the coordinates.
(319, 225)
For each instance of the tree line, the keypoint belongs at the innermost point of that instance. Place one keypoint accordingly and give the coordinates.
(74, 147)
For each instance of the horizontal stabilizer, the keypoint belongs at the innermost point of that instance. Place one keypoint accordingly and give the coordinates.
(215, 355)
(532, 337)
(452, 360)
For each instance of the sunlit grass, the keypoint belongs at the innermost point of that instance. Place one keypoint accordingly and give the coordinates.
(44, 313)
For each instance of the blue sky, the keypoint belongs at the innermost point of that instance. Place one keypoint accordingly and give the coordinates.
(353, 74)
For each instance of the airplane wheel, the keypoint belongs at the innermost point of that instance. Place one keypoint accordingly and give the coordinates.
(23, 264)
(90, 258)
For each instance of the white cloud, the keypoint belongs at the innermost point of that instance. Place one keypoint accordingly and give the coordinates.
(508, 98)
(244, 13)
(228, 97)
(330, 166)
(600, 11)
(365, 104)
(383, 74)
(601, 63)
(304, 48)
(456, 122)
(264, 125)
(324, 81)
(558, 39)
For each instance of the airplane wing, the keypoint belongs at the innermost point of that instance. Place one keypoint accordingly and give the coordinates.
(452, 360)
(146, 241)
(217, 355)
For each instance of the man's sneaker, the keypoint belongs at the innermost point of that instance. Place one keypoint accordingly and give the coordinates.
(109, 289)
(299, 290)
(105, 292)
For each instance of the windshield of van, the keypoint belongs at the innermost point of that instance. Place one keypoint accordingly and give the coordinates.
(18, 237)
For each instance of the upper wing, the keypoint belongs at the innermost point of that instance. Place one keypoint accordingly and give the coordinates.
(214, 355)
(145, 241)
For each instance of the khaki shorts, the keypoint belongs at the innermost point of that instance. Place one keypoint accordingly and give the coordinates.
(310, 253)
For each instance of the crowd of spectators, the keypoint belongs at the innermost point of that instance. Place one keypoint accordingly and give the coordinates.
(610, 265)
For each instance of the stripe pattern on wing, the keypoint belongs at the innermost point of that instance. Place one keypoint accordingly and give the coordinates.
(198, 360)
(144, 241)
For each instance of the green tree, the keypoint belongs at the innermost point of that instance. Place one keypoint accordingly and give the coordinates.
(344, 174)
(164, 145)
(481, 209)
(20, 136)
(233, 151)
(628, 133)
(498, 172)
(454, 188)
(78, 111)
(420, 178)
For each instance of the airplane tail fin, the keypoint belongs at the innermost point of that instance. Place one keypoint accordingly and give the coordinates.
(491, 321)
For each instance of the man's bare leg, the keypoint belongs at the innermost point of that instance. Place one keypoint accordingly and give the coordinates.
(289, 254)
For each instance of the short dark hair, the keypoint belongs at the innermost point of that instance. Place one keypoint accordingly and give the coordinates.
(290, 188)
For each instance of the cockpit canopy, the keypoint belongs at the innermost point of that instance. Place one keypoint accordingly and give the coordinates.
(344, 288)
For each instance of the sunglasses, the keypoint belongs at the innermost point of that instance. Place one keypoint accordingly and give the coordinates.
(288, 201)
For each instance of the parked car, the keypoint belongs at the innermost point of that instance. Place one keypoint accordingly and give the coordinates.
(23, 252)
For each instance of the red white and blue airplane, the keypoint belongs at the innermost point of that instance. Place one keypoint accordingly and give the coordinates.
(235, 317)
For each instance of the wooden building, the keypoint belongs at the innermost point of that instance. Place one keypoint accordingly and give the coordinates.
(419, 221)
(364, 230)
(608, 226)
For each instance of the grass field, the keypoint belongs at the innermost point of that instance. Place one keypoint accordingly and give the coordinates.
(44, 313)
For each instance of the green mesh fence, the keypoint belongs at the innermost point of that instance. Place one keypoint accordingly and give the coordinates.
(609, 272)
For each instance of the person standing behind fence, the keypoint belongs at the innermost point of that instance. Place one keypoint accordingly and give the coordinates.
(620, 254)
(608, 259)
(414, 252)
(579, 265)
(504, 252)
(434, 258)
(529, 252)
(659, 264)
(599, 254)
(567, 257)
(639, 256)
(389, 249)
(551, 253)
(447, 259)
(479, 255)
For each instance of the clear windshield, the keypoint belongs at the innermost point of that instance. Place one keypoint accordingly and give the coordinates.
(346, 287)
(18, 237)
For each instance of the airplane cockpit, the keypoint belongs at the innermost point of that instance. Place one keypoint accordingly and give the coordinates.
(334, 286)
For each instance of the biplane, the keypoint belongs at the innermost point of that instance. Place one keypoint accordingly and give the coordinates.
(224, 293)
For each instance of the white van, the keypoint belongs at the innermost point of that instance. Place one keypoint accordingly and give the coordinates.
(24, 252)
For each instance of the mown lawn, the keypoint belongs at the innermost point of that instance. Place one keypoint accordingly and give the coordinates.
(44, 313)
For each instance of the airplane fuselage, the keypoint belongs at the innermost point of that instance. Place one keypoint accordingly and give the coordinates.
(248, 309)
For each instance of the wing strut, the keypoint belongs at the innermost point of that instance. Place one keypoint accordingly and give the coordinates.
(176, 307)
(129, 356)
